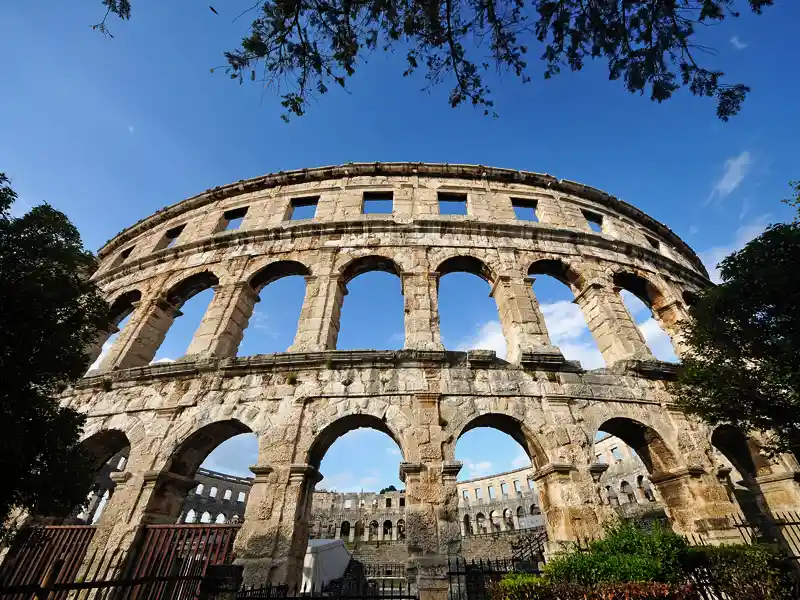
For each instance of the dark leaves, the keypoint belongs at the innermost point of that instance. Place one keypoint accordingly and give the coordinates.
(302, 44)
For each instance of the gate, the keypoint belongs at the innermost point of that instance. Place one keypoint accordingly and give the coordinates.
(165, 562)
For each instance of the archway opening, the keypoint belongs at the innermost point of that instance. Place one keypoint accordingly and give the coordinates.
(641, 298)
(739, 462)
(468, 315)
(500, 458)
(206, 473)
(632, 451)
(188, 301)
(281, 289)
(359, 459)
(109, 451)
(554, 285)
(120, 313)
(372, 315)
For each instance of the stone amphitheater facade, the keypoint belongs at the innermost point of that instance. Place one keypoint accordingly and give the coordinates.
(423, 396)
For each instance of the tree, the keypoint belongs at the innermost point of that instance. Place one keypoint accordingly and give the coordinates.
(49, 314)
(391, 488)
(743, 365)
(305, 46)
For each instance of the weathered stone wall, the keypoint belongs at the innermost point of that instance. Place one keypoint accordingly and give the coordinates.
(298, 403)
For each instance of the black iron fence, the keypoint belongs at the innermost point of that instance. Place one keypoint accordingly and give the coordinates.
(470, 579)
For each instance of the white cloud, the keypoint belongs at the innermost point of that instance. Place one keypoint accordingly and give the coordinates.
(737, 43)
(735, 171)
(744, 234)
(521, 460)
(103, 352)
(162, 361)
(564, 320)
(394, 451)
(489, 337)
(261, 322)
(479, 469)
(657, 340)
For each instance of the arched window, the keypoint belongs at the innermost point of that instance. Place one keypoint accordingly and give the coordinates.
(227, 495)
(474, 324)
(281, 289)
(373, 530)
(627, 492)
(480, 523)
(611, 496)
(640, 297)
(212, 493)
(555, 286)
(387, 529)
(121, 310)
(508, 517)
(372, 312)
(494, 518)
(206, 517)
(221, 519)
(344, 530)
(191, 516)
(467, 525)
(401, 529)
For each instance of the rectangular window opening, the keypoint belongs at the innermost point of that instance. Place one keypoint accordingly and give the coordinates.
(491, 492)
(524, 209)
(303, 208)
(171, 236)
(402, 501)
(232, 219)
(653, 242)
(378, 203)
(600, 458)
(616, 453)
(517, 487)
(594, 220)
(388, 503)
(452, 204)
(478, 493)
(504, 489)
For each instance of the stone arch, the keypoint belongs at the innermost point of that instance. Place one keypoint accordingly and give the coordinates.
(386, 530)
(466, 264)
(520, 512)
(359, 529)
(743, 452)
(690, 298)
(508, 517)
(627, 492)
(648, 444)
(176, 478)
(373, 529)
(274, 271)
(344, 529)
(480, 523)
(365, 264)
(467, 525)
(123, 305)
(190, 286)
(323, 440)
(191, 516)
(511, 426)
(205, 517)
(401, 529)
(104, 444)
(641, 287)
(221, 519)
(559, 270)
(494, 520)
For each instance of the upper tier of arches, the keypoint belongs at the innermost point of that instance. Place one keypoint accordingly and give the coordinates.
(300, 204)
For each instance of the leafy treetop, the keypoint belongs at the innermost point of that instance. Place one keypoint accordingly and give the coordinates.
(743, 364)
(301, 47)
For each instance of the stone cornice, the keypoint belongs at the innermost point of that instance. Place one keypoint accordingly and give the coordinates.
(408, 227)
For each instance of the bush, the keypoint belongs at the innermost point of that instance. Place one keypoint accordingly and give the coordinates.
(540, 589)
(629, 552)
(741, 572)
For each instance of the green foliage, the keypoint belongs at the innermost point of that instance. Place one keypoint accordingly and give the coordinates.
(49, 314)
(391, 488)
(743, 363)
(742, 572)
(543, 590)
(629, 552)
(306, 47)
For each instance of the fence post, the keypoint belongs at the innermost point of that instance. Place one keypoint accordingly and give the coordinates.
(221, 582)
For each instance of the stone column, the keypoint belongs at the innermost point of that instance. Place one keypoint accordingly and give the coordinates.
(697, 503)
(95, 349)
(318, 326)
(522, 321)
(352, 535)
(780, 491)
(421, 298)
(671, 317)
(570, 504)
(222, 328)
(139, 341)
(611, 324)
(394, 531)
(273, 539)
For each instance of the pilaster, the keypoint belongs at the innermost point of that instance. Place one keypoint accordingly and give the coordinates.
(222, 328)
(421, 298)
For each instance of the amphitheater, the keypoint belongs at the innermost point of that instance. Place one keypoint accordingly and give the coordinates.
(239, 238)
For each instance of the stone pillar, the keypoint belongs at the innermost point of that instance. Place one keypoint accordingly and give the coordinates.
(394, 531)
(95, 349)
(522, 321)
(515, 519)
(352, 535)
(697, 503)
(570, 503)
(338, 534)
(318, 326)
(780, 491)
(421, 298)
(611, 324)
(671, 317)
(271, 544)
(222, 328)
(139, 341)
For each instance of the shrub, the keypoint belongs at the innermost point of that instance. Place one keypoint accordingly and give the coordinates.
(741, 572)
(540, 589)
(629, 552)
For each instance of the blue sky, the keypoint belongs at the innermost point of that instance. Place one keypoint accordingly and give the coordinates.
(108, 131)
